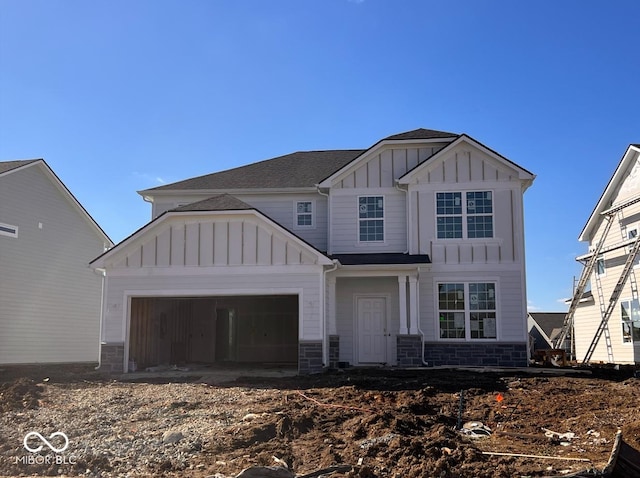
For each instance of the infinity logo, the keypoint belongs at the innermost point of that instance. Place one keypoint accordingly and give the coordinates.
(44, 440)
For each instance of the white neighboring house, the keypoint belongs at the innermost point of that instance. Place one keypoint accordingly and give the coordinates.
(49, 296)
(408, 252)
(621, 199)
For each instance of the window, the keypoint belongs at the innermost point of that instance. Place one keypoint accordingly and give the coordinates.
(8, 230)
(304, 214)
(630, 314)
(371, 218)
(473, 219)
(467, 310)
(600, 268)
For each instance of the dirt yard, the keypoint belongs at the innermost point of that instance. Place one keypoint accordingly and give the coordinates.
(384, 423)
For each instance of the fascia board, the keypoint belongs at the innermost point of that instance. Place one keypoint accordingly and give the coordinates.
(611, 187)
(379, 146)
(526, 176)
(53, 177)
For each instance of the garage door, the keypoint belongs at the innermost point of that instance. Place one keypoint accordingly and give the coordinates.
(244, 329)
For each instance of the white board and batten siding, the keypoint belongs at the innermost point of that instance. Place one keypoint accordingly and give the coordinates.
(279, 207)
(49, 296)
(213, 255)
(464, 169)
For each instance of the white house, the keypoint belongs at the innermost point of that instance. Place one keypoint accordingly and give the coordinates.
(606, 321)
(50, 298)
(408, 252)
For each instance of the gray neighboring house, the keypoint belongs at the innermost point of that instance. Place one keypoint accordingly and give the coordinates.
(408, 252)
(49, 296)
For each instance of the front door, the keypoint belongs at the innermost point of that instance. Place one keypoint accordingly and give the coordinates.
(372, 329)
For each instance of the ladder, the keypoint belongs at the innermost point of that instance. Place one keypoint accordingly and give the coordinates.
(567, 324)
(613, 300)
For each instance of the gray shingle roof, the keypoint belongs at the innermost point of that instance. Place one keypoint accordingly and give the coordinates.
(221, 202)
(422, 133)
(301, 169)
(9, 165)
(381, 258)
(548, 320)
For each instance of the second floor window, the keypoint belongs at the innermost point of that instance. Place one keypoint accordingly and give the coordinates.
(304, 214)
(470, 218)
(371, 218)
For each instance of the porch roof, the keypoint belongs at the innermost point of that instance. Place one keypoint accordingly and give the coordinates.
(381, 259)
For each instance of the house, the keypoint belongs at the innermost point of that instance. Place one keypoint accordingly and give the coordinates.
(50, 298)
(544, 328)
(405, 253)
(605, 312)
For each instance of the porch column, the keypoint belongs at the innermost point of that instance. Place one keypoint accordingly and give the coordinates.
(332, 328)
(402, 298)
(413, 305)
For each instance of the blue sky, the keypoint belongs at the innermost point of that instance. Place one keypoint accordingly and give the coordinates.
(120, 96)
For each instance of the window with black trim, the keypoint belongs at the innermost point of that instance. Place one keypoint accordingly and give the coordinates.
(371, 218)
(471, 218)
(467, 310)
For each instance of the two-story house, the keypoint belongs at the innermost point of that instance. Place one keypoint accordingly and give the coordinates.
(606, 318)
(406, 253)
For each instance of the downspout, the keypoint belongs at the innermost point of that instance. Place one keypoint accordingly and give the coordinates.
(325, 348)
(103, 274)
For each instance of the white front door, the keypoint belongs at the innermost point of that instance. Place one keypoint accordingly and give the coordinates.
(372, 329)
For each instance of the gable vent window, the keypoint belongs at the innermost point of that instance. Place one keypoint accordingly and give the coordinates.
(371, 218)
(8, 230)
(304, 214)
(470, 218)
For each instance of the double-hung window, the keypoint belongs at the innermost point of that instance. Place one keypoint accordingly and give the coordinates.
(304, 214)
(467, 310)
(464, 215)
(371, 218)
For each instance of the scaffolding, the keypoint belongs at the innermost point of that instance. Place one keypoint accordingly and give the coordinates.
(606, 308)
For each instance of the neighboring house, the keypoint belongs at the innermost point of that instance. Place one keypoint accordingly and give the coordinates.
(544, 327)
(405, 253)
(612, 233)
(50, 298)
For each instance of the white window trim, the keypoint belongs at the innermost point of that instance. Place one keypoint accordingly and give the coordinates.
(383, 218)
(313, 214)
(3, 232)
(465, 232)
(467, 311)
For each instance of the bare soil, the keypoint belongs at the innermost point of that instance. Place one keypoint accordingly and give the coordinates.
(385, 423)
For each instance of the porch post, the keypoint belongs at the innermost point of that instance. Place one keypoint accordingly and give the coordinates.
(402, 298)
(413, 305)
(332, 328)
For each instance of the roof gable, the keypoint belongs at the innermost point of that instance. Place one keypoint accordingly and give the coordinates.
(194, 220)
(413, 175)
(624, 183)
(12, 167)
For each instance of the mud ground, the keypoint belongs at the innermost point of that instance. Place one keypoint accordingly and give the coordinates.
(385, 423)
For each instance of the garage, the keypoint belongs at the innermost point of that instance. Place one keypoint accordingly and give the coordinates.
(213, 330)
